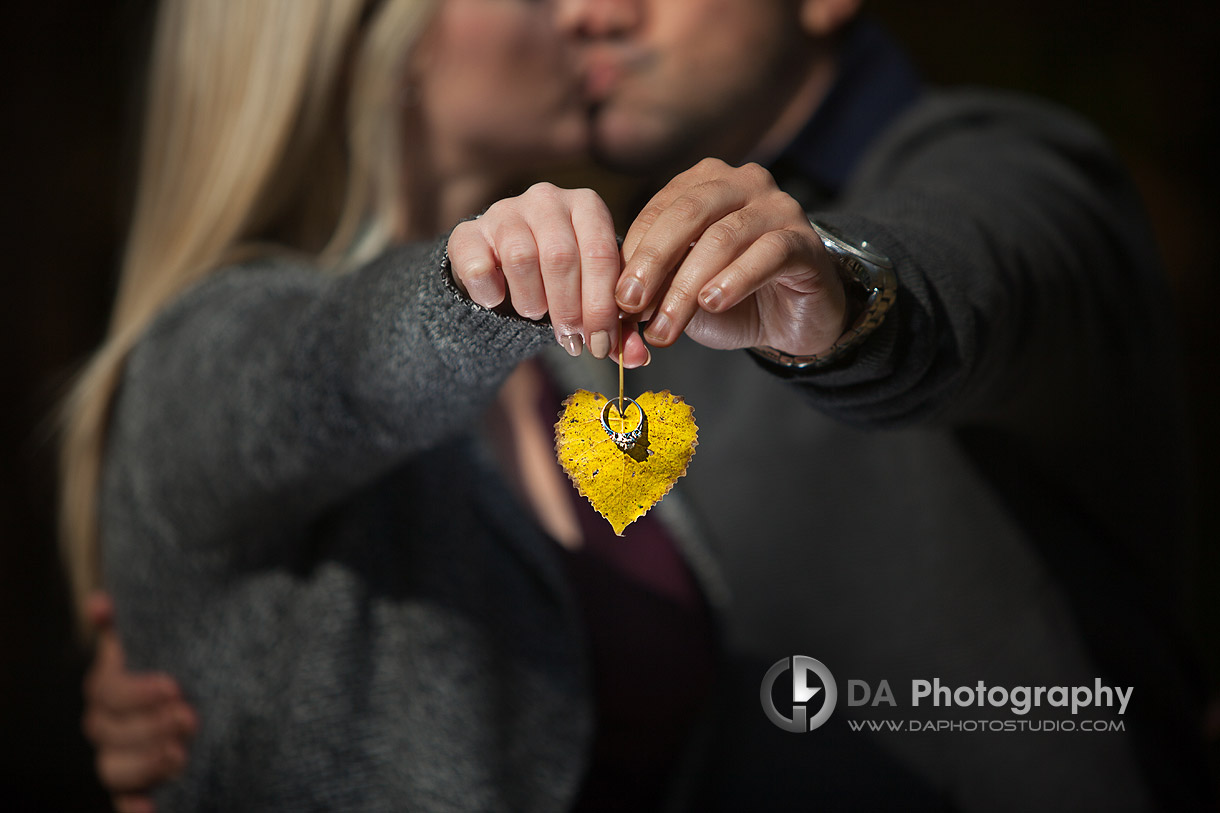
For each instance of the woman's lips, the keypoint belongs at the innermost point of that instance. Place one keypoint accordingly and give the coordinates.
(606, 66)
(600, 79)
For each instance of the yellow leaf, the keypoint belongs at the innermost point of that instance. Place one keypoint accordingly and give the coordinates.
(624, 483)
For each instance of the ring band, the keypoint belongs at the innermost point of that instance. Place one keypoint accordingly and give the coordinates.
(623, 440)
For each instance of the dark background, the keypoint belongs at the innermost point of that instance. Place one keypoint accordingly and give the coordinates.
(1146, 74)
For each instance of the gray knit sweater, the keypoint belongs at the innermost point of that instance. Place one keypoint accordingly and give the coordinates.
(298, 526)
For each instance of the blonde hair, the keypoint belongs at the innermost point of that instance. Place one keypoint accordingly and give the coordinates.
(269, 125)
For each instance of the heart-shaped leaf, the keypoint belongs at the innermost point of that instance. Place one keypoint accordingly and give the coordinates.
(624, 480)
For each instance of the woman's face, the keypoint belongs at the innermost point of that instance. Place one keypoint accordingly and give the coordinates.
(499, 86)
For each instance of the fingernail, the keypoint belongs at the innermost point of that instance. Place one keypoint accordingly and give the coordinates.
(630, 292)
(647, 357)
(712, 298)
(658, 328)
(572, 343)
(183, 720)
(599, 344)
(175, 758)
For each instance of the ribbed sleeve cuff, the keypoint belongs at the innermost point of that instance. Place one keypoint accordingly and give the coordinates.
(470, 339)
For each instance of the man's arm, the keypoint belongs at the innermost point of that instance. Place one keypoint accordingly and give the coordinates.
(1027, 271)
(1023, 259)
(139, 722)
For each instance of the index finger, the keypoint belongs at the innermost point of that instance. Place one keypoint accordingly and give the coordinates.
(658, 204)
(664, 233)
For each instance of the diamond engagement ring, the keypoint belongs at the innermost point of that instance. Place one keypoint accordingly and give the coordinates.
(623, 440)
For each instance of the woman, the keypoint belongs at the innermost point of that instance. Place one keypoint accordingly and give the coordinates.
(279, 451)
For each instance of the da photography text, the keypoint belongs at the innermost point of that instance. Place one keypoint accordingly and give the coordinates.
(813, 693)
(1018, 699)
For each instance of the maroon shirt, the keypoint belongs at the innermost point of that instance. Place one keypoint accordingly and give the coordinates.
(652, 649)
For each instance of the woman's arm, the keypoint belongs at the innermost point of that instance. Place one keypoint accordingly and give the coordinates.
(270, 391)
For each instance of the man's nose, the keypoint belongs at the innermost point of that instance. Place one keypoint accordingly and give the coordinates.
(598, 18)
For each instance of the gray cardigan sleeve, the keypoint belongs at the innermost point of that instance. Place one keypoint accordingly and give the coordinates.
(274, 390)
(1024, 261)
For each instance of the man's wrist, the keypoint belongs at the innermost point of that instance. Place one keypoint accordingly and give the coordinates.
(871, 287)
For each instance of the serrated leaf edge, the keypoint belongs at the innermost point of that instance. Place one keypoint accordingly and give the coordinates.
(563, 407)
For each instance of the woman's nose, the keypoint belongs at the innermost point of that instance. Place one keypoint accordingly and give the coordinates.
(593, 19)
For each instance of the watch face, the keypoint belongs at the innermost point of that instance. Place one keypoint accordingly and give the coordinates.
(850, 245)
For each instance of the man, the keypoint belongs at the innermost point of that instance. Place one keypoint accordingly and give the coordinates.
(997, 522)
(976, 487)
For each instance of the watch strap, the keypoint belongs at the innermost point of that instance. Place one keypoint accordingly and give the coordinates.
(867, 272)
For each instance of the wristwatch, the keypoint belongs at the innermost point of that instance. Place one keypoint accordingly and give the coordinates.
(865, 271)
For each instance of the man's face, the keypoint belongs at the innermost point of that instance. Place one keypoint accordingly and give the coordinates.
(675, 80)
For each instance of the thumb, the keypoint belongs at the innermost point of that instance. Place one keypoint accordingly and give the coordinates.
(99, 610)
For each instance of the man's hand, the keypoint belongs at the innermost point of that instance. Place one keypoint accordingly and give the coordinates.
(138, 722)
(553, 251)
(725, 255)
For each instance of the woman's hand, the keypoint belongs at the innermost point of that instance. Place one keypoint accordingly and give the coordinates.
(549, 251)
(726, 256)
(138, 722)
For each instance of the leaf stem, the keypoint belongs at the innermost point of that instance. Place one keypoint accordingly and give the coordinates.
(621, 417)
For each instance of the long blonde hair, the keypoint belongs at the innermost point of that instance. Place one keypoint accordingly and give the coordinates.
(268, 123)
